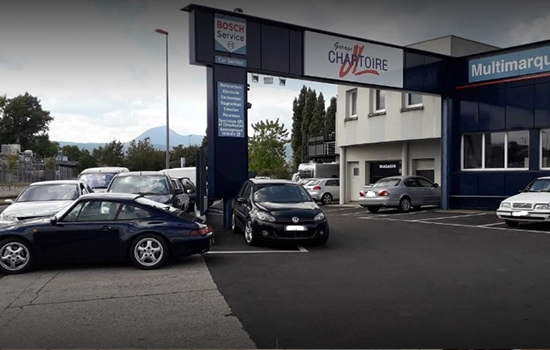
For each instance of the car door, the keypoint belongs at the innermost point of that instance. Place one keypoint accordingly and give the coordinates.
(431, 192)
(414, 191)
(333, 186)
(87, 231)
(242, 204)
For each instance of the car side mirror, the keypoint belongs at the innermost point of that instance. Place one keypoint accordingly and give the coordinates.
(53, 220)
(9, 201)
(189, 191)
(242, 200)
(435, 185)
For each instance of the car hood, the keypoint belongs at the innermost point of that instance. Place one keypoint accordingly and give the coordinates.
(531, 197)
(164, 198)
(100, 189)
(283, 210)
(33, 209)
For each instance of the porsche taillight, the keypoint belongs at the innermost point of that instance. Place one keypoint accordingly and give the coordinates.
(203, 231)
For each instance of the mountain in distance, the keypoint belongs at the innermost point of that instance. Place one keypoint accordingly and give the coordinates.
(156, 135)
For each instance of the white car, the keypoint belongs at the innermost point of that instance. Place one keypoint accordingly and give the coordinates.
(532, 204)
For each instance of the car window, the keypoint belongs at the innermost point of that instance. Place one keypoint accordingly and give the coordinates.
(188, 185)
(98, 211)
(145, 184)
(387, 182)
(332, 183)
(539, 185)
(73, 214)
(97, 180)
(424, 182)
(312, 182)
(131, 212)
(411, 183)
(245, 191)
(51, 192)
(281, 193)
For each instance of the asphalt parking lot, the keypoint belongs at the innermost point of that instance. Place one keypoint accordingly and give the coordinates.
(426, 279)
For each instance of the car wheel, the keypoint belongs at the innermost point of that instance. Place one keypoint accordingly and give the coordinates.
(405, 205)
(149, 251)
(234, 226)
(249, 233)
(326, 199)
(15, 256)
(511, 223)
(373, 209)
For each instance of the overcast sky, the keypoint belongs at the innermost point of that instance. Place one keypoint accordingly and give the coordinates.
(99, 67)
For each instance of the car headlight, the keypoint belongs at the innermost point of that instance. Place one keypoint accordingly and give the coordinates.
(10, 217)
(263, 216)
(505, 205)
(319, 217)
(542, 206)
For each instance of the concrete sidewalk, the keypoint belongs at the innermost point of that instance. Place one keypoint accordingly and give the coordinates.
(178, 306)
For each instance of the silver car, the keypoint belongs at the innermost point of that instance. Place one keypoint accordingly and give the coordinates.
(323, 190)
(401, 192)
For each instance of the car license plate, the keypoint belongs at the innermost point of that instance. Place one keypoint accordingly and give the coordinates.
(520, 213)
(371, 194)
(295, 228)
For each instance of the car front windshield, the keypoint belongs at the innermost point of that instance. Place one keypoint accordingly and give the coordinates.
(144, 184)
(281, 193)
(97, 180)
(539, 185)
(386, 182)
(52, 192)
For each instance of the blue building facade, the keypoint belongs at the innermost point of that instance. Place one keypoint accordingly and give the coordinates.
(498, 136)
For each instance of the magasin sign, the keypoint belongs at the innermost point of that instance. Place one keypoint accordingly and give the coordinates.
(338, 58)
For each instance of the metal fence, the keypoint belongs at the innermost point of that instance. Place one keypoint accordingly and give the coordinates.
(32, 169)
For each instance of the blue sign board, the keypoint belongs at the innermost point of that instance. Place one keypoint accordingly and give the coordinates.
(509, 65)
(231, 61)
(231, 110)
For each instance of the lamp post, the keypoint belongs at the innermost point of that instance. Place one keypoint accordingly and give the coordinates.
(160, 31)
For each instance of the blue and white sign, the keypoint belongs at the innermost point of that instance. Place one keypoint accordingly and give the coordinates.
(510, 65)
(231, 110)
(231, 61)
(230, 34)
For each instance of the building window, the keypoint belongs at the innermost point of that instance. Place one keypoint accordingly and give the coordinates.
(413, 100)
(352, 100)
(545, 148)
(497, 150)
(379, 101)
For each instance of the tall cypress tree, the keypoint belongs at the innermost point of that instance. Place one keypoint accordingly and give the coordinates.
(330, 120)
(309, 109)
(316, 127)
(297, 135)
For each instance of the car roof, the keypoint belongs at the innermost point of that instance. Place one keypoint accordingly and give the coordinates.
(111, 195)
(141, 173)
(105, 169)
(57, 182)
(272, 181)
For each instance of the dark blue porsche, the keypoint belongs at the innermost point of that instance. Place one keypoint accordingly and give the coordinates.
(104, 226)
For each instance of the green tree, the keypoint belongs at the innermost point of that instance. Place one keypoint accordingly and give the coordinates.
(309, 109)
(189, 153)
(266, 148)
(297, 118)
(86, 160)
(143, 156)
(112, 154)
(43, 147)
(330, 121)
(22, 120)
(72, 152)
(318, 117)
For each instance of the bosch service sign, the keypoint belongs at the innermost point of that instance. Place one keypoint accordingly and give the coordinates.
(332, 57)
(230, 34)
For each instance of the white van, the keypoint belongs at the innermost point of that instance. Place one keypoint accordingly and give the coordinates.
(99, 178)
(178, 173)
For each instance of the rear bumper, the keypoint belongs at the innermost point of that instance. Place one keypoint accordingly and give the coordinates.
(192, 245)
(378, 202)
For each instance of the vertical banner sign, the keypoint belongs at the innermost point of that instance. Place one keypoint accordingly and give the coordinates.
(230, 34)
(231, 110)
(328, 56)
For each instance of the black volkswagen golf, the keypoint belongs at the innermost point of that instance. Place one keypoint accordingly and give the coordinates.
(277, 209)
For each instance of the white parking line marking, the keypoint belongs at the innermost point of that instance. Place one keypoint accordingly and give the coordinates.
(411, 213)
(457, 225)
(451, 217)
(495, 224)
(302, 250)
